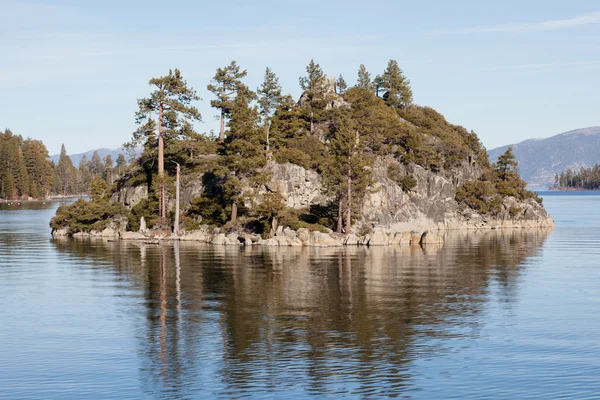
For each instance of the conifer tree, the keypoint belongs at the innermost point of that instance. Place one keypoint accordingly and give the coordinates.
(121, 164)
(39, 168)
(66, 173)
(170, 103)
(269, 98)
(341, 85)
(317, 93)
(348, 174)
(506, 165)
(225, 85)
(243, 150)
(108, 169)
(85, 175)
(96, 166)
(393, 86)
(364, 78)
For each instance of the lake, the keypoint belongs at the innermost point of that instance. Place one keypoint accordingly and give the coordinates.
(503, 315)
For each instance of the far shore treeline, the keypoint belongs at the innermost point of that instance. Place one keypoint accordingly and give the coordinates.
(339, 131)
(27, 173)
(584, 179)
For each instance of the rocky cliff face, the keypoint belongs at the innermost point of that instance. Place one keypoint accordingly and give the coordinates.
(430, 205)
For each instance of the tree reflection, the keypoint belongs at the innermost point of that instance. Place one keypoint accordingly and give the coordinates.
(233, 320)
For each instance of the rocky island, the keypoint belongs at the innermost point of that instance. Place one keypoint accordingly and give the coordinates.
(360, 165)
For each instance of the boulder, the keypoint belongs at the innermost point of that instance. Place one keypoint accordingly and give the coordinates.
(81, 234)
(132, 236)
(219, 238)
(430, 237)
(233, 238)
(60, 232)
(400, 238)
(351, 240)
(415, 238)
(303, 234)
(195, 236)
(109, 232)
(289, 232)
(378, 238)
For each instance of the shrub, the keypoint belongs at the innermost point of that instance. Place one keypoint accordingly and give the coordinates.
(85, 216)
(147, 208)
(481, 196)
(210, 211)
(406, 181)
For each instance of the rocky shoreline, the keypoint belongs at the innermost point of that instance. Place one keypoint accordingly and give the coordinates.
(304, 237)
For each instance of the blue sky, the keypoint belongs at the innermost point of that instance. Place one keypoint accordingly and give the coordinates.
(71, 71)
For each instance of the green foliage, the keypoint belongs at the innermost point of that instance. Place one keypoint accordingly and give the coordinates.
(585, 178)
(406, 181)
(147, 208)
(340, 85)
(207, 210)
(317, 94)
(364, 79)
(170, 105)
(85, 216)
(503, 180)
(481, 196)
(225, 85)
(393, 86)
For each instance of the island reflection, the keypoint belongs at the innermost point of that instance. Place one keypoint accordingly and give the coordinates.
(234, 320)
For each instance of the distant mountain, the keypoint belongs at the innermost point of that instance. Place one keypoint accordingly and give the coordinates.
(540, 159)
(114, 153)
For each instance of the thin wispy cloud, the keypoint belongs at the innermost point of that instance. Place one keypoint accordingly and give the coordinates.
(527, 27)
(574, 65)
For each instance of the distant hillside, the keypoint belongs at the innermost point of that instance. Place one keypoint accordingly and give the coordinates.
(540, 159)
(114, 153)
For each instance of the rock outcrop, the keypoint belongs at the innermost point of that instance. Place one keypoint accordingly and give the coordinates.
(391, 215)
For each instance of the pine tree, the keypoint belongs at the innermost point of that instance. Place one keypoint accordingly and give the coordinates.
(66, 174)
(170, 103)
(506, 165)
(39, 168)
(121, 164)
(96, 166)
(225, 85)
(341, 85)
(317, 93)
(85, 175)
(269, 98)
(393, 86)
(108, 169)
(364, 78)
(348, 176)
(243, 149)
(8, 189)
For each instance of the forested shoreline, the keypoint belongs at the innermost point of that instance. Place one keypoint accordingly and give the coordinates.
(584, 179)
(27, 173)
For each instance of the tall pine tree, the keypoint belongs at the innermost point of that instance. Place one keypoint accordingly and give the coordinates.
(225, 85)
(269, 98)
(171, 104)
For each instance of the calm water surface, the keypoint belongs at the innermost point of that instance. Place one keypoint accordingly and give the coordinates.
(511, 315)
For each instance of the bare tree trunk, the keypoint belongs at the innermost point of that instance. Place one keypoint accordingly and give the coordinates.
(161, 166)
(339, 222)
(234, 208)
(349, 210)
(176, 226)
(267, 131)
(222, 131)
